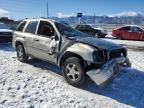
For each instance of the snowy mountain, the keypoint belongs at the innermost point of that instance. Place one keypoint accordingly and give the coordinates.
(127, 14)
(121, 18)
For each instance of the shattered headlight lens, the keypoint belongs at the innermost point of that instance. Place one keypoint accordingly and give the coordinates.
(99, 56)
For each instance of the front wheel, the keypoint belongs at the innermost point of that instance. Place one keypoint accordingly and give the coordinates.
(21, 53)
(73, 71)
(119, 37)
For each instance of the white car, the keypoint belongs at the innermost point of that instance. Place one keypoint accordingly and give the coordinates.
(5, 33)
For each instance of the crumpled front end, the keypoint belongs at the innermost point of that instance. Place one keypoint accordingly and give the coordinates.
(108, 70)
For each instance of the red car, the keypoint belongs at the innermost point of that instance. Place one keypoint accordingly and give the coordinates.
(131, 32)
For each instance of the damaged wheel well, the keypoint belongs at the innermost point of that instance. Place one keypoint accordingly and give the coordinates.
(18, 43)
(67, 55)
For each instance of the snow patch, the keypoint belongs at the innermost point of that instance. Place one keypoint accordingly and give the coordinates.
(123, 14)
(40, 85)
(62, 15)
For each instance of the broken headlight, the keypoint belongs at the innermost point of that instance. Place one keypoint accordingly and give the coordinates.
(99, 56)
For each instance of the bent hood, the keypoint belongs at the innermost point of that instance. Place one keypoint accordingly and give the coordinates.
(98, 43)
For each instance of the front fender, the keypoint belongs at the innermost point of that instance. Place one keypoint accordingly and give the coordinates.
(83, 50)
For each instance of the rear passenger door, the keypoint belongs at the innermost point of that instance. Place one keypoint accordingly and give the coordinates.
(30, 34)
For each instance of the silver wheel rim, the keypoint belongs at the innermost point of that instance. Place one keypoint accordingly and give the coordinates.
(20, 52)
(72, 72)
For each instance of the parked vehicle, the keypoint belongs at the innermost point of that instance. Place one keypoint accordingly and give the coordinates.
(131, 32)
(74, 52)
(97, 32)
(5, 33)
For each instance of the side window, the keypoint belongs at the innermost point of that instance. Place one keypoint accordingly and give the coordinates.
(46, 29)
(21, 26)
(81, 27)
(139, 29)
(134, 29)
(31, 28)
(126, 28)
(78, 27)
(87, 27)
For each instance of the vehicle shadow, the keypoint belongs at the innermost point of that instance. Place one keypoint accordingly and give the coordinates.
(6, 47)
(127, 87)
(44, 65)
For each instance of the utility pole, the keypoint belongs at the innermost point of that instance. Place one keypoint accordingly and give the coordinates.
(47, 10)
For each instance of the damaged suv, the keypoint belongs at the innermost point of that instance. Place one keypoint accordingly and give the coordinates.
(77, 54)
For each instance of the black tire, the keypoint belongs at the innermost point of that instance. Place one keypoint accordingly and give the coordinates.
(119, 37)
(128, 63)
(22, 57)
(97, 35)
(102, 36)
(73, 71)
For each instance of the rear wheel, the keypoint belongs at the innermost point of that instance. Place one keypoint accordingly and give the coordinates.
(97, 35)
(73, 71)
(21, 53)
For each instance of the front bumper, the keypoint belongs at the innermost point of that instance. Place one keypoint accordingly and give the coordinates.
(107, 71)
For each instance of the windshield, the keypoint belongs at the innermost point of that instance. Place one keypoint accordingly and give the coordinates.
(4, 26)
(68, 31)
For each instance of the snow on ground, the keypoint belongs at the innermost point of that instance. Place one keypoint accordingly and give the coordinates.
(39, 84)
(128, 43)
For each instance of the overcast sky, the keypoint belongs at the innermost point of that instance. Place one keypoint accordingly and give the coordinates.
(20, 9)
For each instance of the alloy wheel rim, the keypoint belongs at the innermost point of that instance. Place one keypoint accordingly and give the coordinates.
(20, 52)
(72, 72)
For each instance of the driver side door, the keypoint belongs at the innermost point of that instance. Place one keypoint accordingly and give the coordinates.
(44, 41)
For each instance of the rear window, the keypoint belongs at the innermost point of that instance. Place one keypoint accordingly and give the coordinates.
(21, 26)
(87, 26)
(80, 27)
(31, 28)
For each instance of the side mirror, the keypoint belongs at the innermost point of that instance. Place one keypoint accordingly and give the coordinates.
(53, 47)
(51, 50)
(54, 37)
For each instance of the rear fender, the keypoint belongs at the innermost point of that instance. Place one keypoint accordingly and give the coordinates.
(19, 40)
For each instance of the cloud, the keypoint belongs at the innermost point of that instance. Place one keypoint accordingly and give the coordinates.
(3, 13)
(61, 15)
(131, 13)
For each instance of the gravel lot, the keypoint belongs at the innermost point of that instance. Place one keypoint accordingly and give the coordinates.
(38, 84)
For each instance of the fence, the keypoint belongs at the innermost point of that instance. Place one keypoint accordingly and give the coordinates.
(109, 27)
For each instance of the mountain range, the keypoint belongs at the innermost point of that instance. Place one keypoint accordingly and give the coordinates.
(122, 18)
